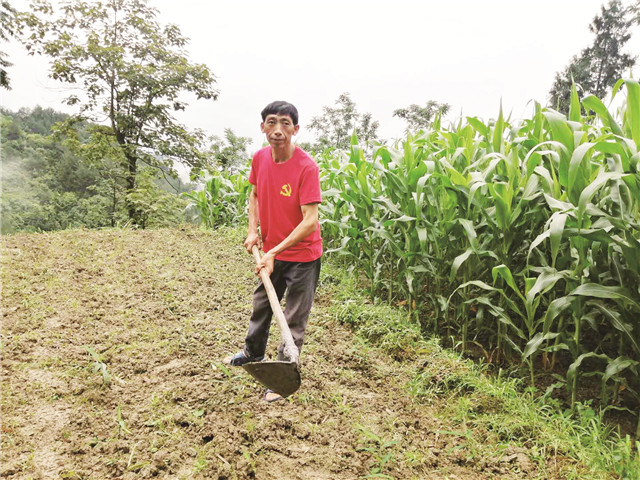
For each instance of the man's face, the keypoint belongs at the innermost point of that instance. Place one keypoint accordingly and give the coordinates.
(279, 130)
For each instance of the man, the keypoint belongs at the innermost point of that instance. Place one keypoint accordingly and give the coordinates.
(284, 203)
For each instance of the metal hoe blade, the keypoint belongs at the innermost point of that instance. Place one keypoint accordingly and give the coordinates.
(281, 377)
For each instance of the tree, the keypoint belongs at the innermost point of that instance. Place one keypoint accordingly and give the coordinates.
(58, 174)
(7, 29)
(634, 11)
(133, 74)
(230, 152)
(39, 120)
(336, 125)
(599, 66)
(45, 184)
(418, 117)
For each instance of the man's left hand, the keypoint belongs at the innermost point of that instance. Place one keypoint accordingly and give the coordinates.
(267, 263)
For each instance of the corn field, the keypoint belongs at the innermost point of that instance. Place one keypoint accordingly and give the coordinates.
(520, 240)
(223, 200)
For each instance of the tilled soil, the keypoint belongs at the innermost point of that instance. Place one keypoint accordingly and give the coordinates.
(112, 347)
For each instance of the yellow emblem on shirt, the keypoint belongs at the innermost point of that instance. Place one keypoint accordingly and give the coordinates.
(286, 190)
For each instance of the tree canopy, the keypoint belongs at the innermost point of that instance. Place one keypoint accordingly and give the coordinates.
(418, 117)
(57, 175)
(230, 152)
(336, 125)
(598, 67)
(7, 29)
(133, 74)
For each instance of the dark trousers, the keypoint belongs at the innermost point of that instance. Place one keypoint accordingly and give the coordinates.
(299, 280)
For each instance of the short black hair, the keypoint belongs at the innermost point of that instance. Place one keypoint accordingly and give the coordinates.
(280, 108)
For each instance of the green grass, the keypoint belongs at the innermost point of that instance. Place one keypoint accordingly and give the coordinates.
(494, 415)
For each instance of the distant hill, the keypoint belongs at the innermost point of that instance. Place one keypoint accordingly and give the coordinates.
(50, 183)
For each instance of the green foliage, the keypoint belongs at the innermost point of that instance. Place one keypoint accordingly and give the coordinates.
(155, 206)
(73, 177)
(599, 66)
(223, 200)
(634, 11)
(381, 450)
(98, 365)
(34, 120)
(131, 69)
(230, 152)
(521, 238)
(488, 408)
(7, 29)
(518, 240)
(336, 125)
(420, 118)
(44, 185)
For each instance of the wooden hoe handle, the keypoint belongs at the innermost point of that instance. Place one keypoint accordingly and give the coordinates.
(290, 349)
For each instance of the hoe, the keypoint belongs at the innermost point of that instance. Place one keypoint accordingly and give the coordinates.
(281, 377)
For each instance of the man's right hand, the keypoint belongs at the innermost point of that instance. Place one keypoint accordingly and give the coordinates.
(252, 239)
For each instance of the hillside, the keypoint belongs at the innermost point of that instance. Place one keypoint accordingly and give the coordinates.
(111, 368)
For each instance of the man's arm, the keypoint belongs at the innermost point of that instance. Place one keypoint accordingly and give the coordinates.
(306, 227)
(253, 237)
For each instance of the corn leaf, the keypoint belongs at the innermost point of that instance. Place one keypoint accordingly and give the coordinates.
(595, 104)
(618, 365)
(534, 344)
(602, 291)
(574, 106)
(632, 114)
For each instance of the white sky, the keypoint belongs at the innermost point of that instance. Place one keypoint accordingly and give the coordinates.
(387, 54)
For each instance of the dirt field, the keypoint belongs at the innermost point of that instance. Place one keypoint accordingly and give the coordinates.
(111, 368)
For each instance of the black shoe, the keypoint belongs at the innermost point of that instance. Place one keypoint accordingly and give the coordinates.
(240, 359)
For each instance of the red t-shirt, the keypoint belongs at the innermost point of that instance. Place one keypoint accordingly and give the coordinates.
(282, 189)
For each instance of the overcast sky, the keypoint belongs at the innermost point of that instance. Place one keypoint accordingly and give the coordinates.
(386, 54)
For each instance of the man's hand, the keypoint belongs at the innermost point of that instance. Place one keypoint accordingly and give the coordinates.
(252, 239)
(267, 263)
